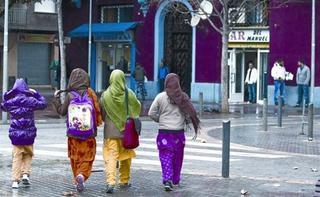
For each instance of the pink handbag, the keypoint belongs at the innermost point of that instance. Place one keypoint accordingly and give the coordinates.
(130, 138)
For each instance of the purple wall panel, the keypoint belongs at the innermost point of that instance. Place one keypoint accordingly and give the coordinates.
(145, 40)
(208, 54)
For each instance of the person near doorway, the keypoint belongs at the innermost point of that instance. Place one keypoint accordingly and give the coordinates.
(303, 79)
(251, 81)
(163, 72)
(139, 75)
(122, 65)
(278, 72)
(173, 110)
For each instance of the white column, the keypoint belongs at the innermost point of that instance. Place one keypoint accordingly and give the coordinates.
(5, 57)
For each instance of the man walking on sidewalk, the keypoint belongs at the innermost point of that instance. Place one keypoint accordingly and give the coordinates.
(302, 79)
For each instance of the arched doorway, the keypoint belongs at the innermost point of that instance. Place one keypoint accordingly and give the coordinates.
(178, 45)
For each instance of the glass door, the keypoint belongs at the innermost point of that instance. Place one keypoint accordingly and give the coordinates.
(262, 67)
(236, 80)
(111, 56)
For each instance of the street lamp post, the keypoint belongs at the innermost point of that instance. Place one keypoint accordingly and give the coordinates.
(313, 47)
(5, 57)
(89, 36)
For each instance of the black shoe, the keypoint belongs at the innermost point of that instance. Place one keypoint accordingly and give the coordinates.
(297, 105)
(124, 185)
(168, 186)
(109, 189)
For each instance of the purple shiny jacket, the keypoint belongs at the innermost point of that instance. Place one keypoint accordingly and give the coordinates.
(20, 102)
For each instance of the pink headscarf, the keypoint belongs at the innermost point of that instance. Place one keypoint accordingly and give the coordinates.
(180, 98)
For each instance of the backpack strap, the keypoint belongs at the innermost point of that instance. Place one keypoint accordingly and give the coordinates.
(126, 101)
(78, 96)
(75, 94)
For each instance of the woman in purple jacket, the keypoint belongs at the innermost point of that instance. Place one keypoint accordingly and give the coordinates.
(21, 102)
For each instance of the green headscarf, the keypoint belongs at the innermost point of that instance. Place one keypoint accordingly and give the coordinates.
(113, 100)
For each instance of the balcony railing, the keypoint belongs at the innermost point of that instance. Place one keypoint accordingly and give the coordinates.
(16, 16)
(249, 15)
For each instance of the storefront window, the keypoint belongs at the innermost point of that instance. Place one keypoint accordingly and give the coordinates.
(263, 68)
(238, 76)
(117, 14)
(116, 56)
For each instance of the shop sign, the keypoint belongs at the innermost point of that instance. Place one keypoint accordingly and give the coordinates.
(253, 35)
(40, 38)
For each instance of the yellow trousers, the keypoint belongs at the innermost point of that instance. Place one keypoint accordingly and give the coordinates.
(21, 161)
(113, 152)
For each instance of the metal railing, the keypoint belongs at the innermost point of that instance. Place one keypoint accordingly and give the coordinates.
(249, 15)
(17, 16)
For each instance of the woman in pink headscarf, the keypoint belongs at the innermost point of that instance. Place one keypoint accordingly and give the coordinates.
(172, 109)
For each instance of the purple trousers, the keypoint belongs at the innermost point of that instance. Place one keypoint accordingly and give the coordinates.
(171, 146)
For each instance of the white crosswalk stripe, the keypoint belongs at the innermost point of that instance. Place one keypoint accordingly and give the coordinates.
(147, 153)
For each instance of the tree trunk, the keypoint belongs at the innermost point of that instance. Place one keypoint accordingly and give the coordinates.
(62, 51)
(224, 73)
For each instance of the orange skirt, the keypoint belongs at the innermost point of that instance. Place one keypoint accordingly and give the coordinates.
(81, 154)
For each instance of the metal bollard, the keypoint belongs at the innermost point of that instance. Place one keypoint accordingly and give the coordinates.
(310, 122)
(265, 114)
(265, 101)
(201, 103)
(226, 149)
(280, 111)
(303, 114)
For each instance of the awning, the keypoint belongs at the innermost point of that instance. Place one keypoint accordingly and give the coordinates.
(105, 30)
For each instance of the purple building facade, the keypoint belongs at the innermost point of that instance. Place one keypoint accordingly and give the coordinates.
(192, 52)
(290, 40)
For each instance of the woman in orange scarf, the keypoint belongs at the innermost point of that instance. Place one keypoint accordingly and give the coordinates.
(80, 151)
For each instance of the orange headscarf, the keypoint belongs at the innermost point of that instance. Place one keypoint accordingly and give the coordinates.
(96, 105)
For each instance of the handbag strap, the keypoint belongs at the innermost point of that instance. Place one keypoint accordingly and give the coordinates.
(127, 102)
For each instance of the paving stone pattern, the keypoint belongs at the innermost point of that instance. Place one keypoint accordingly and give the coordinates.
(286, 139)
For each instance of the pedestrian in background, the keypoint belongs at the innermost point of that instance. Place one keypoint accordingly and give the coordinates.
(122, 64)
(163, 72)
(278, 72)
(113, 105)
(81, 148)
(173, 110)
(21, 102)
(303, 79)
(251, 81)
(139, 75)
